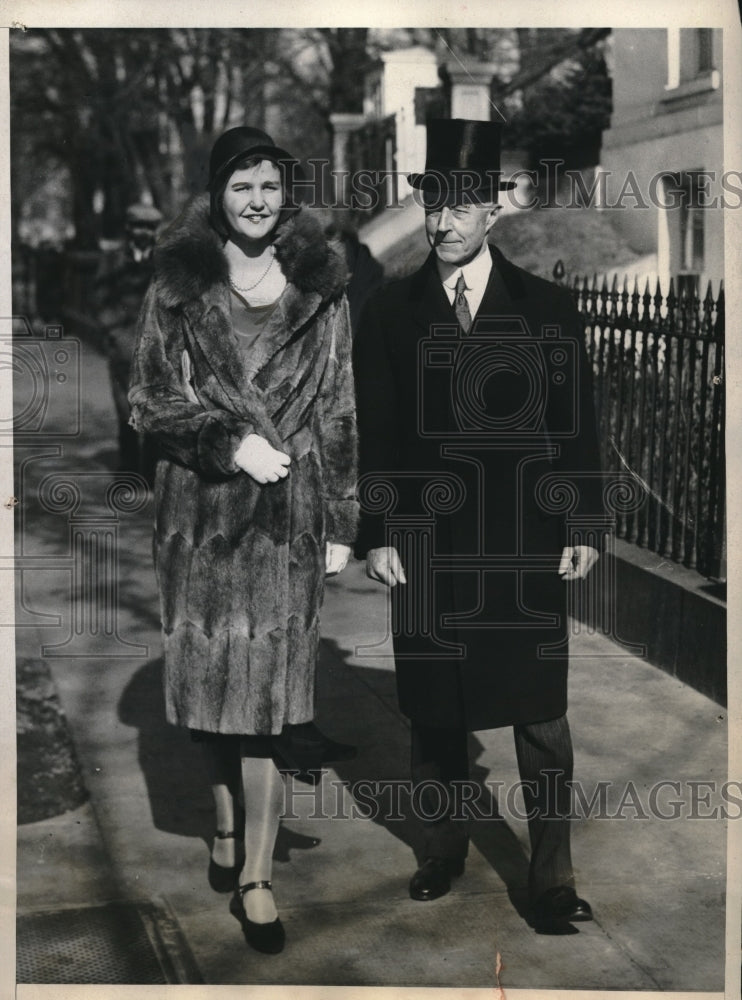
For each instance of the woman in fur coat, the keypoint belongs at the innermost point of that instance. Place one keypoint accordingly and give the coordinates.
(242, 373)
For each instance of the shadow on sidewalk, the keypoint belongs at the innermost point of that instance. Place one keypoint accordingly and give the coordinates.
(384, 757)
(181, 802)
(179, 794)
(177, 787)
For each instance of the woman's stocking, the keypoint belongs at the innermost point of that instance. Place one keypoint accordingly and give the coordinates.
(222, 759)
(263, 789)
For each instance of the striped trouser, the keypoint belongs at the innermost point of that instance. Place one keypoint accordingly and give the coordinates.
(440, 762)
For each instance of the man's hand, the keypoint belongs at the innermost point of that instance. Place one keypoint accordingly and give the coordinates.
(385, 566)
(577, 561)
(336, 558)
(261, 460)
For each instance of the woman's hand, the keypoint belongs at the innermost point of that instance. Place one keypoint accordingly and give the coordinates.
(262, 461)
(336, 558)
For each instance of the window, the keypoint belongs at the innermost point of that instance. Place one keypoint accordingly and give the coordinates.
(690, 62)
(692, 230)
(704, 50)
(689, 255)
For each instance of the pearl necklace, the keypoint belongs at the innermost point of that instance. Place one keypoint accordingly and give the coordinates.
(249, 288)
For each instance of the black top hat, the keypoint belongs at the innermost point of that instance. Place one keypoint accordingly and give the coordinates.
(462, 156)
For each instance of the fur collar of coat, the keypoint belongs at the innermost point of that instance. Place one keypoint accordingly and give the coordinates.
(189, 259)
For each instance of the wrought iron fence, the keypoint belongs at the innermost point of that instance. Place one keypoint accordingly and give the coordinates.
(658, 367)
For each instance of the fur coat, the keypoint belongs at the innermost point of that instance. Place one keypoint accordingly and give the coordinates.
(240, 566)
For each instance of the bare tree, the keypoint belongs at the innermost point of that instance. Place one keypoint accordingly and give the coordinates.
(129, 111)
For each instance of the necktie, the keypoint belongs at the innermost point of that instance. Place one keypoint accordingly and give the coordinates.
(461, 306)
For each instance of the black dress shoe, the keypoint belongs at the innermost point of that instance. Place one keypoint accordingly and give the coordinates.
(558, 907)
(266, 938)
(433, 878)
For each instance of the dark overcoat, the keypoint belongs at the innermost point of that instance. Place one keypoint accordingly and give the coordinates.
(474, 450)
(240, 565)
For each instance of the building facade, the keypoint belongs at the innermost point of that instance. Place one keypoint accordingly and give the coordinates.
(662, 158)
(402, 88)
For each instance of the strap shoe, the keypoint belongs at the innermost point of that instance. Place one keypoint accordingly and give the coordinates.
(267, 938)
(221, 878)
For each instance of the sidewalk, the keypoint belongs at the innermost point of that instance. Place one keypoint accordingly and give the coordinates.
(656, 886)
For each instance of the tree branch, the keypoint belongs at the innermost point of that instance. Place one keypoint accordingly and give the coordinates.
(551, 57)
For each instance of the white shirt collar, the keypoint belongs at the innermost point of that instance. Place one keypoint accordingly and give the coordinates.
(476, 275)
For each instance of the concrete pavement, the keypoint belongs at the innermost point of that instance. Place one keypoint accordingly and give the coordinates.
(656, 885)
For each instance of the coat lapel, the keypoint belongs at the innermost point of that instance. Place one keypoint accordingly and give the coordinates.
(221, 379)
(502, 294)
(220, 371)
(502, 311)
(429, 303)
(294, 311)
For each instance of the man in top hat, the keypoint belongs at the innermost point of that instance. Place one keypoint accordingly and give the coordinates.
(479, 476)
